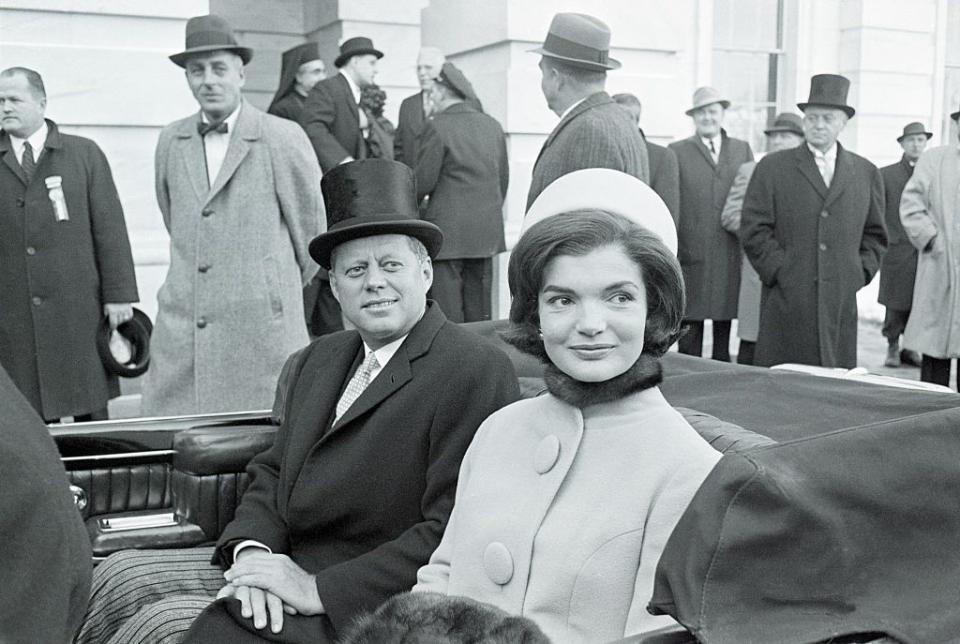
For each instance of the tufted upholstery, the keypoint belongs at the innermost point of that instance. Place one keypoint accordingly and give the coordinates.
(122, 489)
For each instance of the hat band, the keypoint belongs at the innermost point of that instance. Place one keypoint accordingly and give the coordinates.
(562, 47)
(206, 38)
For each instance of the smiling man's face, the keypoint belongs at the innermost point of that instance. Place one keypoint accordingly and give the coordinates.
(381, 285)
(215, 80)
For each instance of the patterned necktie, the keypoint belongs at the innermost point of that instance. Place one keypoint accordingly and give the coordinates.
(206, 128)
(713, 151)
(27, 162)
(357, 384)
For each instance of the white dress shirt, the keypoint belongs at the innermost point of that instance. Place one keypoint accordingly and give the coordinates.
(826, 162)
(215, 144)
(717, 140)
(570, 109)
(37, 140)
(364, 123)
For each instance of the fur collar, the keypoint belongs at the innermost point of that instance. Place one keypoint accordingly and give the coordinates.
(645, 373)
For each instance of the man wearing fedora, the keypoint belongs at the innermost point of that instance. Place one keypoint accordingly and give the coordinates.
(785, 133)
(928, 212)
(239, 191)
(463, 173)
(355, 493)
(593, 131)
(709, 255)
(812, 226)
(415, 110)
(899, 267)
(65, 257)
(300, 69)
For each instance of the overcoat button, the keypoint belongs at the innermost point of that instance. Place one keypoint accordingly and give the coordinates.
(546, 454)
(497, 563)
(31, 250)
(20, 202)
(824, 214)
(203, 268)
(823, 247)
(206, 212)
(201, 322)
(37, 301)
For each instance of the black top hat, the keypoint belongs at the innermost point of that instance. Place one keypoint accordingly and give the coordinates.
(356, 47)
(137, 331)
(290, 65)
(579, 40)
(451, 76)
(786, 122)
(210, 33)
(829, 90)
(371, 197)
(914, 128)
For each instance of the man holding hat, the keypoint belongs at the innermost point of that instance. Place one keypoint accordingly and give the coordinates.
(812, 226)
(785, 133)
(593, 131)
(709, 255)
(462, 170)
(899, 267)
(416, 109)
(239, 193)
(355, 493)
(301, 68)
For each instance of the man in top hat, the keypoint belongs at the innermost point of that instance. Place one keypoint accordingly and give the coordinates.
(664, 172)
(300, 69)
(593, 131)
(812, 226)
(355, 493)
(928, 211)
(239, 191)
(785, 133)
(709, 255)
(415, 110)
(65, 257)
(899, 266)
(463, 173)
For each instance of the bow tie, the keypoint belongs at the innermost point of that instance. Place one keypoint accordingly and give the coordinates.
(206, 128)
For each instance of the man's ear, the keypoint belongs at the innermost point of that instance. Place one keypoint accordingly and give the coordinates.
(427, 269)
(333, 285)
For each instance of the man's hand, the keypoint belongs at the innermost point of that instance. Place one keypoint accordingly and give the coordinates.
(117, 314)
(280, 576)
(258, 604)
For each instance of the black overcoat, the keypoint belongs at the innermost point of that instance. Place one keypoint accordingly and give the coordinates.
(363, 504)
(409, 126)
(665, 176)
(462, 166)
(289, 107)
(899, 268)
(331, 118)
(813, 248)
(56, 276)
(708, 254)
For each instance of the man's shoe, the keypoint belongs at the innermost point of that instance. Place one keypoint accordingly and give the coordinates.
(893, 356)
(910, 358)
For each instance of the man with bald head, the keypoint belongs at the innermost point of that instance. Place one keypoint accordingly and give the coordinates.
(415, 110)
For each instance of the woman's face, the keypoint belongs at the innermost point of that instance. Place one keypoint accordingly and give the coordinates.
(593, 313)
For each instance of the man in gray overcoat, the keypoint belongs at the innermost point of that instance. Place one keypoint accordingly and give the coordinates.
(239, 191)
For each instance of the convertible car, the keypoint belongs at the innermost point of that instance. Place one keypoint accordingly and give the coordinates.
(835, 512)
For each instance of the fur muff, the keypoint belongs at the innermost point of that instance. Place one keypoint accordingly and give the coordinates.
(432, 618)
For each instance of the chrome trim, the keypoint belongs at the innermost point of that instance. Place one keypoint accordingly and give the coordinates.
(154, 454)
(79, 497)
(120, 524)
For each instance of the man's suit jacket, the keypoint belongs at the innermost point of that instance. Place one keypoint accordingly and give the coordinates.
(814, 247)
(664, 175)
(462, 166)
(708, 254)
(363, 504)
(899, 269)
(409, 127)
(56, 276)
(597, 133)
(331, 118)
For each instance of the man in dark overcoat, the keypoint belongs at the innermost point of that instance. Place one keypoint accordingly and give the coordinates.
(812, 226)
(65, 260)
(355, 493)
(462, 171)
(899, 267)
(415, 110)
(593, 131)
(709, 255)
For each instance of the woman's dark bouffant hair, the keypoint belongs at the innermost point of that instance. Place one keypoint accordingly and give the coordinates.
(578, 233)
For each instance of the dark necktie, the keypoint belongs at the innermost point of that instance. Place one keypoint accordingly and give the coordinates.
(206, 128)
(27, 162)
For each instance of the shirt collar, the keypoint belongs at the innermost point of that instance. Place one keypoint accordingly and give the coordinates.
(231, 120)
(570, 109)
(385, 353)
(830, 155)
(37, 140)
(356, 99)
(716, 138)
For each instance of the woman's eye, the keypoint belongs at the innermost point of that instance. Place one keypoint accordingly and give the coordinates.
(622, 298)
(560, 300)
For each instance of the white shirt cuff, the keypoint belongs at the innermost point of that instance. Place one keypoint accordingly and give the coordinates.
(248, 543)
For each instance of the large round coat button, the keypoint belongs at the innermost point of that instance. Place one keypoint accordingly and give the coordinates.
(497, 563)
(546, 454)
(201, 322)
(206, 212)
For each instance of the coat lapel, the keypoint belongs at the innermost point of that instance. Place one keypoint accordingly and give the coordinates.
(704, 150)
(248, 129)
(842, 175)
(193, 156)
(591, 101)
(808, 168)
(10, 159)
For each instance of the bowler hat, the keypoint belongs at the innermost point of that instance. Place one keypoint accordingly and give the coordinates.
(358, 46)
(579, 40)
(829, 90)
(451, 76)
(706, 96)
(136, 331)
(914, 128)
(210, 33)
(371, 197)
(955, 115)
(786, 122)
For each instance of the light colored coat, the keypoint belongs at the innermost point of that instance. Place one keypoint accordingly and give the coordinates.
(561, 515)
(928, 211)
(748, 302)
(231, 308)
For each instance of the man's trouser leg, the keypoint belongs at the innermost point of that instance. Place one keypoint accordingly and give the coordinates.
(721, 340)
(935, 370)
(691, 342)
(477, 289)
(447, 288)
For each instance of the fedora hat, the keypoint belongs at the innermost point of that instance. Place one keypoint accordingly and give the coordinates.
(707, 96)
(210, 33)
(914, 128)
(786, 122)
(579, 40)
(829, 90)
(358, 46)
(371, 197)
(131, 357)
(610, 190)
